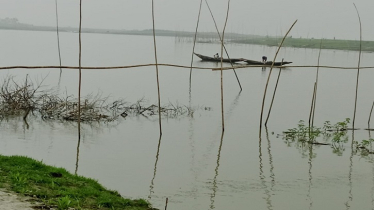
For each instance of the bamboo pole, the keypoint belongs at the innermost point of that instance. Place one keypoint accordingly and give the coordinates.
(158, 81)
(371, 111)
(171, 65)
(316, 83)
(312, 105)
(271, 69)
(80, 70)
(223, 36)
(275, 90)
(358, 69)
(58, 37)
(221, 39)
(194, 41)
(80, 85)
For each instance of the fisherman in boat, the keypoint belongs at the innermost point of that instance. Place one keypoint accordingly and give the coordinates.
(264, 59)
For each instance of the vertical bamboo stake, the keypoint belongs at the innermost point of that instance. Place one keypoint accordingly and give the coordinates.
(223, 36)
(358, 69)
(194, 41)
(275, 90)
(80, 83)
(221, 39)
(80, 70)
(271, 69)
(316, 84)
(58, 37)
(158, 81)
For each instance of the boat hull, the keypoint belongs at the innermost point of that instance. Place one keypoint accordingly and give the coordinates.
(225, 60)
(268, 63)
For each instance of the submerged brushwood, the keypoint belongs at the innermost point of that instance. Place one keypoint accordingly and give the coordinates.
(22, 99)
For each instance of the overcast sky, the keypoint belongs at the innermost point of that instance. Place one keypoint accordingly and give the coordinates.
(316, 18)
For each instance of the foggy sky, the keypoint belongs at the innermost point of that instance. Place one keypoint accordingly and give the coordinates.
(316, 18)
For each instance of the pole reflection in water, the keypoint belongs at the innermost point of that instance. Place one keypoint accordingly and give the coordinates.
(272, 175)
(262, 177)
(59, 82)
(79, 143)
(350, 195)
(155, 169)
(372, 170)
(212, 197)
(192, 145)
(311, 156)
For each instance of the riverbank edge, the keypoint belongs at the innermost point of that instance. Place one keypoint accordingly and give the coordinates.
(210, 37)
(53, 187)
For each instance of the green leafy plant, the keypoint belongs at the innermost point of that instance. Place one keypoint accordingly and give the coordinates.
(64, 203)
(332, 134)
(363, 147)
(302, 133)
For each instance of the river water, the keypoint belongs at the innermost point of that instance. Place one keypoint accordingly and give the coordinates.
(193, 164)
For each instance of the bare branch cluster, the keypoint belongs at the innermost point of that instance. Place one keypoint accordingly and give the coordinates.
(22, 99)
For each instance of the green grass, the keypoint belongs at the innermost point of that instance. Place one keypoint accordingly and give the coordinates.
(56, 187)
(352, 45)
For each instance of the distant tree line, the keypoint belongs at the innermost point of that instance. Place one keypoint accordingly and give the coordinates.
(11, 22)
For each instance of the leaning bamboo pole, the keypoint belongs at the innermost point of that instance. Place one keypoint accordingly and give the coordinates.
(358, 68)
(194, 40)
(316, 84)
(223, 36)
(271, 69)
(275, 90)
(221, 39)
(371, 111)
(312, 106)
(158, 81)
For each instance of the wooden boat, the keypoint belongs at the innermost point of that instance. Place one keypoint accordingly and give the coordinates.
(268, 63)
(226, 60)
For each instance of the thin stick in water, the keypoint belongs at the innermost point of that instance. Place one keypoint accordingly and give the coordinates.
(58, 36)
(316, 84)
(271, 69)
(371, 111)
(166, 203)
(312, 105)
(358, 68)
(80, 70)
(275, 90)
(219, 35)
(158, 81)
(194, 40)
(223, 36)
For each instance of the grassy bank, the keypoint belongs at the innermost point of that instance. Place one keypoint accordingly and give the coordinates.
(55, 187)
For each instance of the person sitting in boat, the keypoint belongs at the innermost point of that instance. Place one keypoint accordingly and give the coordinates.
(264, 59)
(216, 55)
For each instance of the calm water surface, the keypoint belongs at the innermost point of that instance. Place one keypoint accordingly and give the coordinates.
(193, 164)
